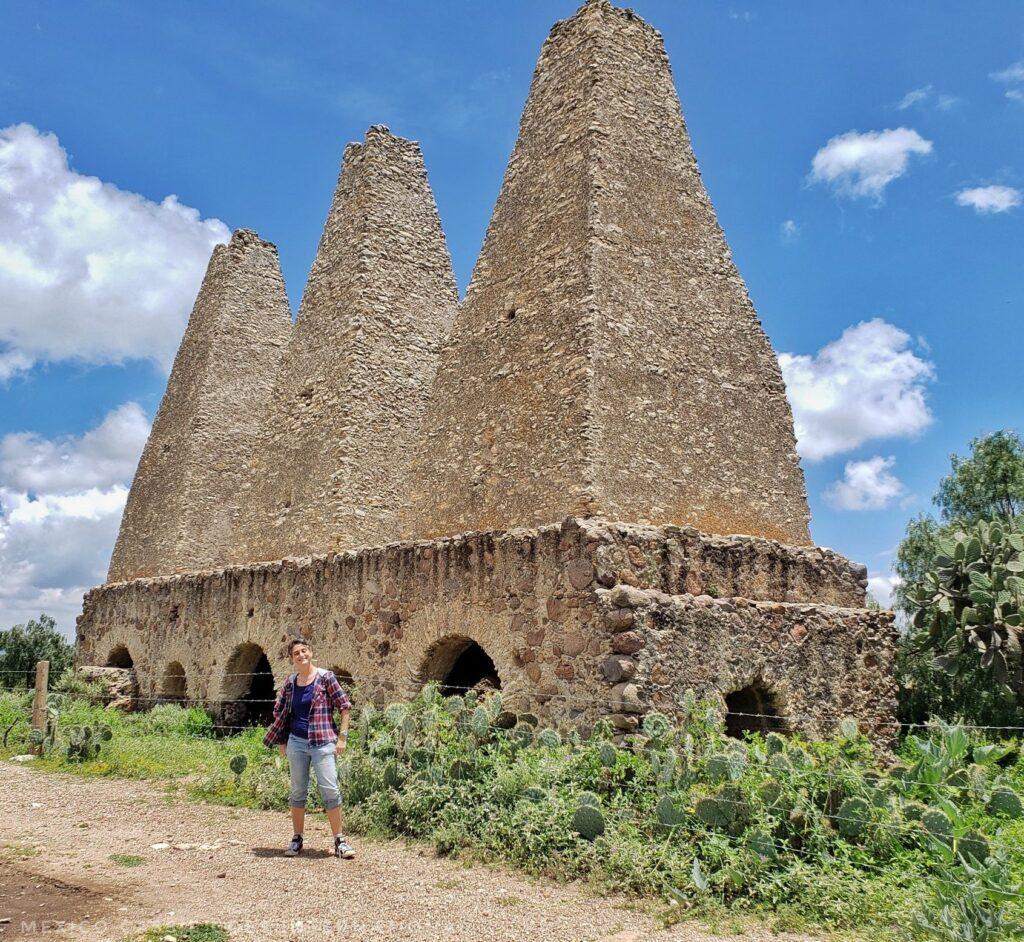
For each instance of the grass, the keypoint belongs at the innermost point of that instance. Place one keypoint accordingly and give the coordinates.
(866, 888)
(128, 860)
(197, 932)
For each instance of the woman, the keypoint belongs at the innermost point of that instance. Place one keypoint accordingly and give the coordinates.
(304, 731)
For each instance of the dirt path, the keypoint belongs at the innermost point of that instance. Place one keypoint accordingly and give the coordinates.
(58, 832)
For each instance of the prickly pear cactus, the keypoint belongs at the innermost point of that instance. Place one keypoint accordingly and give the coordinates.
(760, 844)
(506, 719)
(530, 718)
(973, 846)
(656, 725)
(1005, 802)
(937, 824)
(669, 814)
(238, 765)
(588, 822)
(549, 738)
(589, 798)
(534, 794)
(713, 812)
(521, 735)
(479, 723)
(848, 728)
(775, 744)
(608, 754)
(852, 818)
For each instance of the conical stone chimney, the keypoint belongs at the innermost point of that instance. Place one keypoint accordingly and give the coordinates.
(607, 360)
(331, 465)
(185, 494)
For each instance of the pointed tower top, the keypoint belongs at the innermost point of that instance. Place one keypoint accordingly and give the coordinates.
(606, 360)
(186, 489)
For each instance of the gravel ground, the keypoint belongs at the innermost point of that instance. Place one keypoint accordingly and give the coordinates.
(204, 863)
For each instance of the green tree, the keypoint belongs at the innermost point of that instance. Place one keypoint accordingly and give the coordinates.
(23, 645)
(987, 485)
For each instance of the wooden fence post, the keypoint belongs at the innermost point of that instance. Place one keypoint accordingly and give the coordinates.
(39, 703)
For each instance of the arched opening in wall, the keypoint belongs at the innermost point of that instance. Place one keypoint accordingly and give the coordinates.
(119, 656)
(173, 685)
(248, 690)
(753, 709)
(459, 663)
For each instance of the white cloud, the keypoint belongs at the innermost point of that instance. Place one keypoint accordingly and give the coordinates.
(90, 272)
(866, 485)
(868, 384)
(881, 587)
(913, 97)
(990, 199)
(1014, 78)
(102, 457)
(926, 93)
(789, 231)
(60, 507)
(863, 165)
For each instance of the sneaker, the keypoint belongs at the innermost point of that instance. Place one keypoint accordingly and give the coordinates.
(343, 848)
(295, 847)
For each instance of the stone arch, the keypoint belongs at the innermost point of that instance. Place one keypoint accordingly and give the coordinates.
(458, 663)
(248, 690)
(174, 682)
(120, 656)
(756, 707)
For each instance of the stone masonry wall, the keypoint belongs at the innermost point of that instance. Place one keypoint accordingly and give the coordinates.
(329, 470)
(185, 495)
(606, 360)
(568, 637)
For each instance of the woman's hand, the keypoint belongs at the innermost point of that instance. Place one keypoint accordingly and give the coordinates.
(340, 745)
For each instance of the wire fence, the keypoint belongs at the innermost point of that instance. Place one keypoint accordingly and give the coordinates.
(413, 682)
(817, 779)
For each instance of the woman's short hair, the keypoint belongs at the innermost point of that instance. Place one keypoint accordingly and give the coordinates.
(294, 642)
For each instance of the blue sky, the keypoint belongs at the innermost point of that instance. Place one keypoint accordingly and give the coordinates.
(866, 162)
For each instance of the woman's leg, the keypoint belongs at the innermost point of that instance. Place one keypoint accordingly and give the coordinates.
(325, 765)
(298, 753)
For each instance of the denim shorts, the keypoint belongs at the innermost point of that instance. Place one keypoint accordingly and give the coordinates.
(300, 756)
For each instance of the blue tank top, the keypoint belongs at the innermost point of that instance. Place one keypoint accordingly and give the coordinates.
(302, 699)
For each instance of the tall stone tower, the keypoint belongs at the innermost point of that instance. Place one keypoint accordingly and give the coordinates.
(607, 360)
(348, 400)
(185, 493)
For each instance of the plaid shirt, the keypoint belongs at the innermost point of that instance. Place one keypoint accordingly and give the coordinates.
(327, 697)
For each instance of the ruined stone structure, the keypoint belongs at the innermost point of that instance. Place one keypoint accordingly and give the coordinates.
(606, 360)
(185, 495)
(330, 468)
(433, 494)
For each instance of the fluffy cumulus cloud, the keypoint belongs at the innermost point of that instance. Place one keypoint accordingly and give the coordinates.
(88, 271)
(60, 507)
(866, 485)
(990, 199)
(862, 165)
(868, 384)
(881, 587)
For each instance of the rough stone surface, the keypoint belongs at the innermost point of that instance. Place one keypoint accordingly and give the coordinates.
(352, 387)
(185, 495)
(120, 685)
(606, 360)
(393, 617)
(606, 365)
